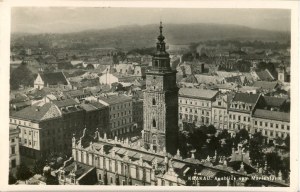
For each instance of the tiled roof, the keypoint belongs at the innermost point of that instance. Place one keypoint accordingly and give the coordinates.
(272, 115)
(80, 168)
(198, 93)
(54, 78)
(246, 97)
(265, 75)
(274, 101)
(265, 84)
(65, 103)
(38, 112)
(113, 99)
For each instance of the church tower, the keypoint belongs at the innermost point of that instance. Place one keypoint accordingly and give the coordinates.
(161, 102)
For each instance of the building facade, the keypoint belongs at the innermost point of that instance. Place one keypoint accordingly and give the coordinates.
(195, 106)
(120, 114)
(14, 153)
(220, 111)
(161, 102)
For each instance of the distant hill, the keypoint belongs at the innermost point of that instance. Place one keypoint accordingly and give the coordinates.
(136, 36)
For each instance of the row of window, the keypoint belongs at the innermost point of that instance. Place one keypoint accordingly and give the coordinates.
(20, 122)
(124, 121)
(194, 110)
(117, 115)
(239, 118)
(192, 118)
(271, 125)
(183, 101)
(111, 165)
(120, 106)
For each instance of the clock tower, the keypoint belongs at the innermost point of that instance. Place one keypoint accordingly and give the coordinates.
(161, 102)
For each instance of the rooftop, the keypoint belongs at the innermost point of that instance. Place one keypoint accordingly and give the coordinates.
(54, 78)
(38, 112)
(114, 99)
(272, 115)
(198, 93)
(246, 98)
(265, 84)
(65, 103)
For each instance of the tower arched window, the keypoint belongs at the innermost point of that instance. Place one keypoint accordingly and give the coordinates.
(153, 101)
(153, 123)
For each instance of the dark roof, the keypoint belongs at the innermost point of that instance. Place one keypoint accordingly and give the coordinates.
(80, 169)
(246, 97)
(265, 84)
(272, 115)
(54, 78)
(65, 103)
(97, 105)
(38, 113)
(274, 101)
(234, 79)
(265, 75)
(113, 99)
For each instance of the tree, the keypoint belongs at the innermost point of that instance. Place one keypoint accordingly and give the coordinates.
(23, 172)
(274, 161)
(241, 136)
(287, 141)
(39, 165)
(256, 146)
(21, 76)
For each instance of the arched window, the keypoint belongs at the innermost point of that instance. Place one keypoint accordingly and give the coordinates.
(153, 123)
(153, 102)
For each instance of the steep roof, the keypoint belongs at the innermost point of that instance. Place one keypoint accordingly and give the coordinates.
(265, 75)
(197, 93)
(54, 78)
(38, 112)
(272, 115)
(265, 84)
(274, 101)
(246, 98)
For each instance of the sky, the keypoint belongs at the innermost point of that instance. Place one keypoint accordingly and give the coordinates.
(65, 20)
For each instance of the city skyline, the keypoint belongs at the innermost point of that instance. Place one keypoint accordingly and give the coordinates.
(67, 19)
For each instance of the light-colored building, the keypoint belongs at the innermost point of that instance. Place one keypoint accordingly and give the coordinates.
(41, 129)
(14, 153)
(240, 111)
(195, 106)
(220, 111)
(272, 124)
(54, 79)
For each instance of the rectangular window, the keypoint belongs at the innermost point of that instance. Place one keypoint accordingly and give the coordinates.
(13, 150)
(12, 140)
(13, 163)
(288, 127)
(255, 122)
(266, 124)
